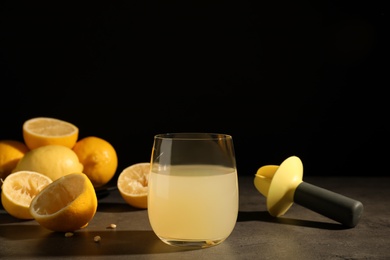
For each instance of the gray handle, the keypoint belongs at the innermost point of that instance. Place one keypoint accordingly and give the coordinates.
(330, 204)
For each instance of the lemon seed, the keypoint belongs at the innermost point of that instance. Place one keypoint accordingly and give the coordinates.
(68, 234)
(112, 226)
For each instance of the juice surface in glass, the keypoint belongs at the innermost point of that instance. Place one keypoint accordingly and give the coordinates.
(193, 202)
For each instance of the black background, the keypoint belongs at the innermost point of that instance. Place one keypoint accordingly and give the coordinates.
(304, 78)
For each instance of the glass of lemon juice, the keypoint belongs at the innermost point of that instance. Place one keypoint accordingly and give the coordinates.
(193, 188)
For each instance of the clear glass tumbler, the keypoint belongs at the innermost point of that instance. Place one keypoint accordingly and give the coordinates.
(193, 188)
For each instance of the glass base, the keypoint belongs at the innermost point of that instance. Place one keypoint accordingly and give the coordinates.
(192, 243)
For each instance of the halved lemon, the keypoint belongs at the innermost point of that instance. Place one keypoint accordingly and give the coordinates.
(19, 189)
(40, 131)
(132, 184)
(67, 204)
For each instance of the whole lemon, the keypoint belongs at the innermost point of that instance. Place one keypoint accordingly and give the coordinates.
(53, 161)
(99, 159)
(11, 151)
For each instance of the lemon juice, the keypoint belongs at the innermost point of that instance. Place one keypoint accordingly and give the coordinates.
(196, 203)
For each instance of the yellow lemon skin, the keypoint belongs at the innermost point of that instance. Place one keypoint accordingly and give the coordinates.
(53, 161)
(42, 131)
(67, 204)
(99, 159)
(137, 201)
(18, 190)
(11, 151)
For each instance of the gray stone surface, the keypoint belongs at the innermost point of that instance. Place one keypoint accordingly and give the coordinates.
(299, 234)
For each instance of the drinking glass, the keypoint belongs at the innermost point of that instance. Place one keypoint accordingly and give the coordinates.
(193, 188)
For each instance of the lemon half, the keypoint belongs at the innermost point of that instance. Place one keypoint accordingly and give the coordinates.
(132, 184)
(67, 204)
(42, 131)
(18, 190)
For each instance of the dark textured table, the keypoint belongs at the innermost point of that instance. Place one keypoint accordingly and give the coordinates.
(299, 234)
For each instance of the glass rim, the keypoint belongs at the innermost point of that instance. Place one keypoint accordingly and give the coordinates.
(193, 136)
